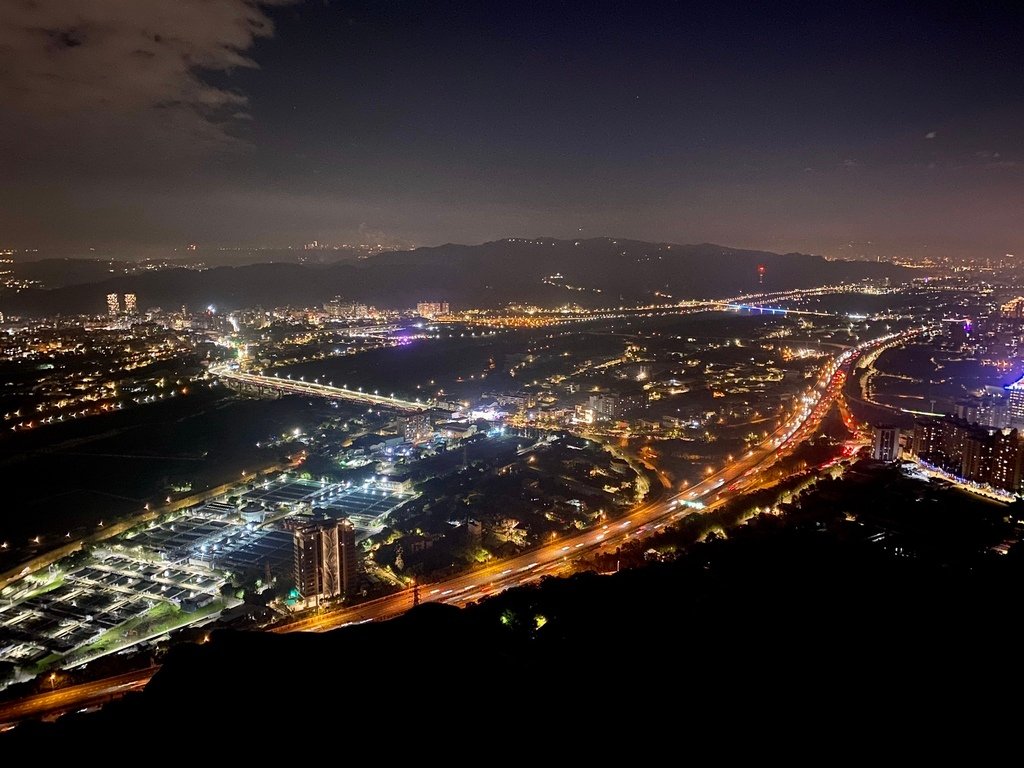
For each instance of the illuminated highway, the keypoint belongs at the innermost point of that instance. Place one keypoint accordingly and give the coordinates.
(756, 303)
(558, 557)
(554, 558)
(752, 303)
(72, 697)
(866, 387)
(315, 388)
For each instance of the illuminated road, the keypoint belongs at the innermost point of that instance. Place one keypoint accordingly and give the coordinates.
(752, 303)
(73, 697)
(315, 388)
(866, 389)
(554, 558)
(984, 491)
(558, 556)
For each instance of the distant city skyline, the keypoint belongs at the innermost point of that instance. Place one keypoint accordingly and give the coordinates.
(338, 337)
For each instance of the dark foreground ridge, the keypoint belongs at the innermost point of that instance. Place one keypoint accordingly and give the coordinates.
(784, 619)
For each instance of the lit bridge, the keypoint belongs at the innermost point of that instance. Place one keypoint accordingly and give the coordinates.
(262, 385)
(761, 309)
(372, 332)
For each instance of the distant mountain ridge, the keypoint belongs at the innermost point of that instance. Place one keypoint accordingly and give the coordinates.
(62, 271)
(546, 271)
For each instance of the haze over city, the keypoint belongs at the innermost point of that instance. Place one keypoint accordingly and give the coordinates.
(380, 377)
(839, 129)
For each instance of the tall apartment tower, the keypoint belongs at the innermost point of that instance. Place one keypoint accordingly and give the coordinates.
(605, 406)
(1007, 458)
(927, 438)
(113, 305)
(349, 557)
(326, 559)
(317, 560)
(887, 443)
(130, 306)
(1016, 404)
(418, 428)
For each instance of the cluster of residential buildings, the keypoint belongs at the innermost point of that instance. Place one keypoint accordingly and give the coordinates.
(981, 439)
(340, 308)
(973, 452)
(76, 369)
(977, 443)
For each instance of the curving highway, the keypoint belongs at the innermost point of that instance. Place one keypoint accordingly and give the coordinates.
(554, 558)
(72, 698)
(559, 556)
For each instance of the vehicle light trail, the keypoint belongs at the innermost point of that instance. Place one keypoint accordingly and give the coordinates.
(550, 559)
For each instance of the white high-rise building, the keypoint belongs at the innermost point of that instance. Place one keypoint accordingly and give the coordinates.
(887, 443)
(1015, 407)
(129, 304)
(113, 305)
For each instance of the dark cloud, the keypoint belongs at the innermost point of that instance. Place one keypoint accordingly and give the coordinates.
(146, 123)
(117, 86)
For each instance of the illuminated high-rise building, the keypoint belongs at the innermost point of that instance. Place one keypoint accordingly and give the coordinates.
(418, 429)
(604, 406)
(326, 558)
(113, 304)
(129, 304)
(339, 308)
(317, 560)
(987, 411)
(927, 441)
(971, 451)
(1016, 404)
(432, 309)
(886, 444)
(349, 556)
(1007, 455)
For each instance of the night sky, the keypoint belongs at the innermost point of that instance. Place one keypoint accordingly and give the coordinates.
(860, 129)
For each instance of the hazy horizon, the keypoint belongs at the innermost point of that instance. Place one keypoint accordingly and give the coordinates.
(862, 130)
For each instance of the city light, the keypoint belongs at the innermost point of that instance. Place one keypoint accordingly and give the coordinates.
(519, 437)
